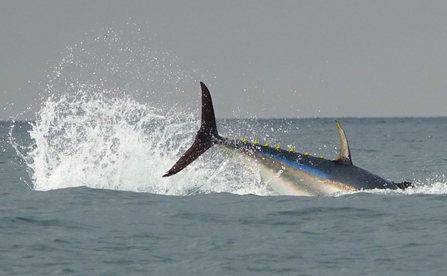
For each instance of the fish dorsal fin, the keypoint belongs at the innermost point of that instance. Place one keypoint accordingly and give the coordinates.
(345, 153)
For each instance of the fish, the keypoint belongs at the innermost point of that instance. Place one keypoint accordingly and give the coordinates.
(286, 172)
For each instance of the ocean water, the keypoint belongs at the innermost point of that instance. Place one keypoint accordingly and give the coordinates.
(81, 191)
(83, 195)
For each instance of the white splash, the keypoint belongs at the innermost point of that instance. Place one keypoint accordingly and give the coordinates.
(436, 188)
(92, 140)
(103, 123)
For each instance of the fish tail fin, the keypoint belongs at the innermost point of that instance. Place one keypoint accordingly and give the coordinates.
(206, 137)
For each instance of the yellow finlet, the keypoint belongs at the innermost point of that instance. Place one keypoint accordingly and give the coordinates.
(266, 144)
(255, 142)
(244, 140)
(291, 150)
(306, 153)
(278, 147)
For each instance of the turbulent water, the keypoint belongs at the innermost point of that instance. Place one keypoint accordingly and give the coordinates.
(82, 192)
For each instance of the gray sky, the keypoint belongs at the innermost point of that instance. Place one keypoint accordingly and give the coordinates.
(259, 58)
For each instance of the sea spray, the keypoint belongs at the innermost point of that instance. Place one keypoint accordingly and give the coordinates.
(111, 117)
(89, 139)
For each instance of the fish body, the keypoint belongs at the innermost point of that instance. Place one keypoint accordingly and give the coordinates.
(285, 171)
